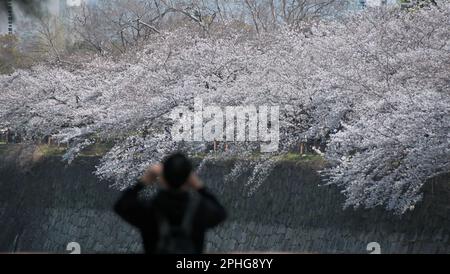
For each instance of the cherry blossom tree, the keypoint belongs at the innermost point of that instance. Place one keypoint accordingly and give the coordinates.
(373, 86)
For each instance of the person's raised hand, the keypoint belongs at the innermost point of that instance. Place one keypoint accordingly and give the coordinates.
(151, 174)
(195, 182)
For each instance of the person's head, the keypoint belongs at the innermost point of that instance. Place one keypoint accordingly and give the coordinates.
(176, 170)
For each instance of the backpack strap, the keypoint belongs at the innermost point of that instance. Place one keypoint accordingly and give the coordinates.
(164, 225)
(188, 218)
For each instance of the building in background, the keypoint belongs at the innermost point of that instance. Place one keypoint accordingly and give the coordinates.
(375, 3)
(6, 17)
(12, 16)
(38, 24)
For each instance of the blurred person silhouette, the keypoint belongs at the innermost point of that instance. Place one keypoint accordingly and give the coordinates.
(175, 220)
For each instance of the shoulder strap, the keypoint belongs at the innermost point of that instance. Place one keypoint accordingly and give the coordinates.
(163, 223)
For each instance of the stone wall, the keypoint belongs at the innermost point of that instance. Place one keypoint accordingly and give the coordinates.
(50, 204)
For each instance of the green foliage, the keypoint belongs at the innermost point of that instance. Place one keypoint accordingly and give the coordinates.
(91, 151)
(310, 159)
(50, 150)
(413, 5)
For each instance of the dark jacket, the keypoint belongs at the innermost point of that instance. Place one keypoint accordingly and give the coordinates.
(172, 204)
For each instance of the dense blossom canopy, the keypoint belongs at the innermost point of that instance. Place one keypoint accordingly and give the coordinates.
(375, 86)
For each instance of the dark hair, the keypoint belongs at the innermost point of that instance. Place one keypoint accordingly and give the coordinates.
(176, 169)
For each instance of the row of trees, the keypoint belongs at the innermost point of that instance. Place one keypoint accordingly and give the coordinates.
(111, 27)
(114, 27)
(118, 24)
(374, 84)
